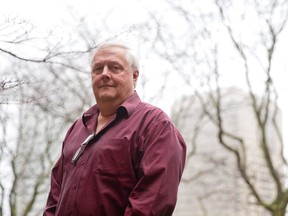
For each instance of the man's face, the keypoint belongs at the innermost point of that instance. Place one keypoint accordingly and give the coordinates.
(112, 78)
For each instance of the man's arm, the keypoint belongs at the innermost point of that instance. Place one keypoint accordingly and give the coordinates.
(160, 172)
(56, 181)
(55, 188)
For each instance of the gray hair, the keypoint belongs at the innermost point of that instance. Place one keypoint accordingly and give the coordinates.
(131, 57)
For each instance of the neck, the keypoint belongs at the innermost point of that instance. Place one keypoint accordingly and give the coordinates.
(103, 119)
(107, 110)
(105, 115)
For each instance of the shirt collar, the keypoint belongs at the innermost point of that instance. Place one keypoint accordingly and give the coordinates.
(130, 104)
(124, 110)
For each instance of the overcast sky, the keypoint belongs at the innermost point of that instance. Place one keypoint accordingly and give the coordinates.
(51, 14)
(47, 14)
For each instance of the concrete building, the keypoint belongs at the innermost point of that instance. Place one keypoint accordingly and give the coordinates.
(212, 184)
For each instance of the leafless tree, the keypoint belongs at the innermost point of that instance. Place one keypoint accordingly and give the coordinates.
(252, 32)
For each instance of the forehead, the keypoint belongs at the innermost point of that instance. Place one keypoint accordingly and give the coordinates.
(110, 54)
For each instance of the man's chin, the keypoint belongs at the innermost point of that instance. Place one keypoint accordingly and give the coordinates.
(107, 97)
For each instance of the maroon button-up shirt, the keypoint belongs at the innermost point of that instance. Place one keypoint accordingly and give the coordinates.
(132, 166)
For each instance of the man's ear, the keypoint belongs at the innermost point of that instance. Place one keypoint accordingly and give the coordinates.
(135, 77)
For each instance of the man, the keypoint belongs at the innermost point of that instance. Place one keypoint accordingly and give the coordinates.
(124, 157)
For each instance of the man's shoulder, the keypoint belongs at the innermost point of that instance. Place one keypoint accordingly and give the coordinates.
(92, 110)
(155, 111)
(149, 107)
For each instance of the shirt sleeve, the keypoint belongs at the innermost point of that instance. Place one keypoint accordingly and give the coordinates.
(55, 188)
(160, 171)
(55, 184)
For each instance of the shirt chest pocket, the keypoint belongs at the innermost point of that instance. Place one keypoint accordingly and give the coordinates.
(112, 157)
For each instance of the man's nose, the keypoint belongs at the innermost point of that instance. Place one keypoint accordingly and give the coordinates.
(106, 71)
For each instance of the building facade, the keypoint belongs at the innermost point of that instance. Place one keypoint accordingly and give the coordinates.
(212, 184)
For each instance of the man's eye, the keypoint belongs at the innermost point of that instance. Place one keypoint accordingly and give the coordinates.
(97, 69)
(115, 68)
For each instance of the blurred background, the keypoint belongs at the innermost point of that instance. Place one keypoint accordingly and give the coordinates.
(218, 68)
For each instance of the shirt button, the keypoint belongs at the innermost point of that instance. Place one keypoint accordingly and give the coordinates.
(74, 187)
(83, 162)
